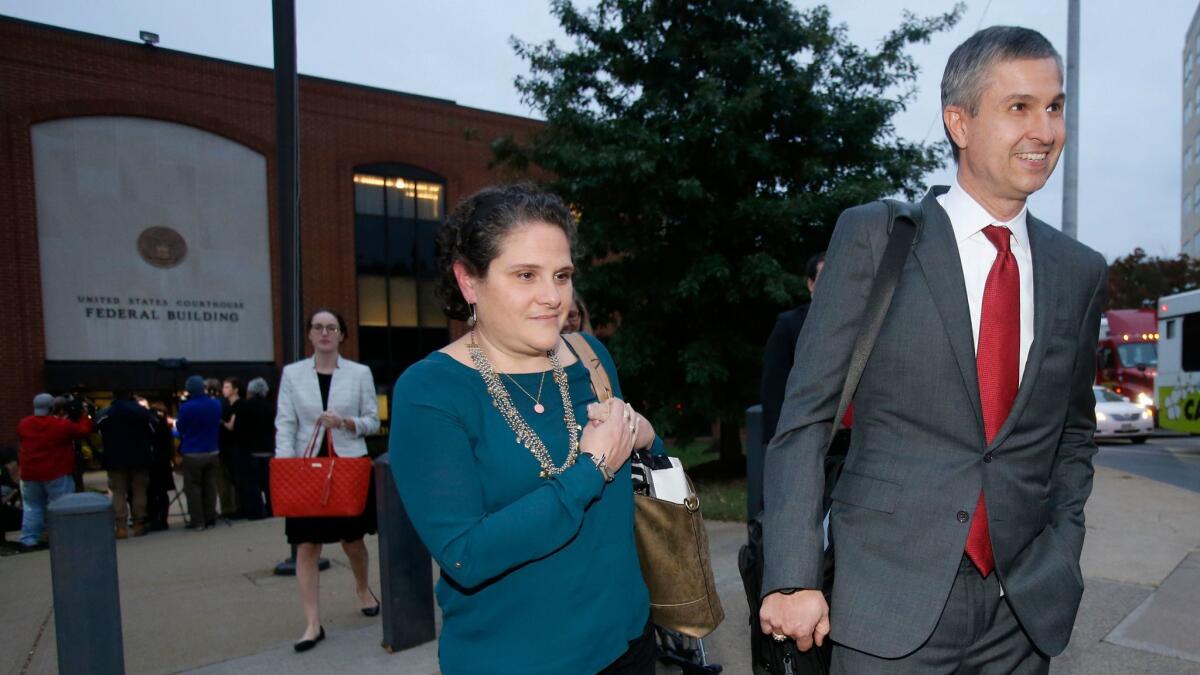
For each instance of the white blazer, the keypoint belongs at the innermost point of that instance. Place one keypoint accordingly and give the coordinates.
(351, 395)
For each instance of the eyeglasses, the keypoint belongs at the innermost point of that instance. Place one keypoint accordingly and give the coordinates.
(331, 328)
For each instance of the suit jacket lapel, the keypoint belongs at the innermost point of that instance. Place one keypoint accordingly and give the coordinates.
(1045, 291)
(937, 253)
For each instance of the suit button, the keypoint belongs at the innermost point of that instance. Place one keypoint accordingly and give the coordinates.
(987, 458)
(963, 516)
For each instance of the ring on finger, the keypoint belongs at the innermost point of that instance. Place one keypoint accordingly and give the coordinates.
(778, 637)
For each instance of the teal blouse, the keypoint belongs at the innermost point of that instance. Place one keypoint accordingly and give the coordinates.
(537, 576)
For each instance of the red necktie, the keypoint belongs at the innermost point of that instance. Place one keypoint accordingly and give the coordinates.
(997, 362)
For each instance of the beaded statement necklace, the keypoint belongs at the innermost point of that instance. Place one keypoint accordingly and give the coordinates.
(525, 434)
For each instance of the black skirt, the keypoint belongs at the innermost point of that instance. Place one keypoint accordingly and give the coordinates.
(332, 530)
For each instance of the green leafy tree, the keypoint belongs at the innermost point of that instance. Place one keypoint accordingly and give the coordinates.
(709, 146)
(1139, 280)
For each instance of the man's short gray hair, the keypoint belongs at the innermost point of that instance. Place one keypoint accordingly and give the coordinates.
(258, 388)
(964, 80)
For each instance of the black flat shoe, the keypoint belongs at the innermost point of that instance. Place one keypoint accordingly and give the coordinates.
(305, 645)
(371, 611)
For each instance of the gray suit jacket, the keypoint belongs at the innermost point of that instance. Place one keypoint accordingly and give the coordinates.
(351, 394)
(918, 455)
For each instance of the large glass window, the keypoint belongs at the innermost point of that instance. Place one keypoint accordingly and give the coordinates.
(1139, 354)
(397, 209)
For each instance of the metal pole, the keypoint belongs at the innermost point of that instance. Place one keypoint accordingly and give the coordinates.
(405, 569)
(83, 574)
(1070, 223)
(287, 122)
(287, 125)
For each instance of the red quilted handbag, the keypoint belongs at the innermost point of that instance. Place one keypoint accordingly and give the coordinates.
(308, 486)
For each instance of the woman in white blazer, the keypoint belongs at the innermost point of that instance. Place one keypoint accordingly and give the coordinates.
(338, 394)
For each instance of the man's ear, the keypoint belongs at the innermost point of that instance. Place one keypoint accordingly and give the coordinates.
(466, 283)
(956, 120)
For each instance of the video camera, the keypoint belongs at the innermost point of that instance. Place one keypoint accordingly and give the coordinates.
(78, 404)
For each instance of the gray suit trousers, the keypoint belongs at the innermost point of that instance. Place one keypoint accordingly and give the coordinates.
(977, 634)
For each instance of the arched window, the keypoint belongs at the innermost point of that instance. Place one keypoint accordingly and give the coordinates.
(397, 209)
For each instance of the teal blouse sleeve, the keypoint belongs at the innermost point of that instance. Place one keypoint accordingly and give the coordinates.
(440, 484)
(657, 448)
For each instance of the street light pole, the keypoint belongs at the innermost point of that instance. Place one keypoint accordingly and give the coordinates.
(287, 124)
(1070, 207)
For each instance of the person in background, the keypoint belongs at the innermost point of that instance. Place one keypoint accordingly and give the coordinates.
(162, 470)
(198, 425)
(533, 538)
(10, 491)
(127, 430)
(47, 461)
(780, 351)
(253, 424)
(227, 392)
(578, 320)
(328, 392)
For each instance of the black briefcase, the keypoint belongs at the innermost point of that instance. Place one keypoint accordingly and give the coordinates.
(768, 657)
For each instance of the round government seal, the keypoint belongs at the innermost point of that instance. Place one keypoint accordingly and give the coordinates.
(162, 247)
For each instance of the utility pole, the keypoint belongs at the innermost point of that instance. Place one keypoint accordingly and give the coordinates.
(287, 122)
(1070, 207)
(287, 125)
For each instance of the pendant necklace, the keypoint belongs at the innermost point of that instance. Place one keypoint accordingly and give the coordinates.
(525, 435)
(537, 402)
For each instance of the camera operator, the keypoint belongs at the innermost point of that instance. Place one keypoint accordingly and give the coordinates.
(75, 405)
(162, 470)
(47, 460)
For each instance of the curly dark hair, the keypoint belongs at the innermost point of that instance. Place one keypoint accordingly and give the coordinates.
(472, 233)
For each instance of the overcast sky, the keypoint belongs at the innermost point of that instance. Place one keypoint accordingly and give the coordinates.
(1131, 60)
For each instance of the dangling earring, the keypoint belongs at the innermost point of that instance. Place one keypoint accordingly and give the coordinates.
(474, 319)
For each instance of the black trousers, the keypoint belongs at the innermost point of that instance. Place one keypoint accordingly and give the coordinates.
(639, 658)
(249, 484)
(978, 634)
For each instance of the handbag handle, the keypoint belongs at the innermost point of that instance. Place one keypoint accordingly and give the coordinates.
(601, 385)
(310, 450)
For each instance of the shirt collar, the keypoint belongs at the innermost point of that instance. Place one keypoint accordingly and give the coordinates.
(967, 217)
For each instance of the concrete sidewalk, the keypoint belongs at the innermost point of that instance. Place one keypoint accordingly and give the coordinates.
(206, 602)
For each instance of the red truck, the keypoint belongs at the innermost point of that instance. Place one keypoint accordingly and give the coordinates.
(1127, 355)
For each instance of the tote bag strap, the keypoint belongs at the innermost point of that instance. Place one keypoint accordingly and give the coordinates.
(600, 382)
(904, 222)
(310, 450)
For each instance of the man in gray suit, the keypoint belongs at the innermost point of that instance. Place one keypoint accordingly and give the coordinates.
(958, 518)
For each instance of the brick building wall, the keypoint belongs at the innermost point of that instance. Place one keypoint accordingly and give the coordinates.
(48, 73)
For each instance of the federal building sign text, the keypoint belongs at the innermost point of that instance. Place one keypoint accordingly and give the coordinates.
(153, 242)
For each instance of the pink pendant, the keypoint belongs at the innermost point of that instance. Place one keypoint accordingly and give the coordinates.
(539, 408)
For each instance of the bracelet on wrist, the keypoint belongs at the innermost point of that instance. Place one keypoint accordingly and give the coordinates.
(601, 466)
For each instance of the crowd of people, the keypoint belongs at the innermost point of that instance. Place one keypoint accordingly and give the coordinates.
(220, 442)
(957, 516)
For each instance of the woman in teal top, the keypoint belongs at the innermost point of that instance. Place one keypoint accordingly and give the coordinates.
(516, 479)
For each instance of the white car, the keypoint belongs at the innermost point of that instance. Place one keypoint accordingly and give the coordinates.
(1116, 417)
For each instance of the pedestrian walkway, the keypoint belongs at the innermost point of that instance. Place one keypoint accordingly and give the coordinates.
(207, 602)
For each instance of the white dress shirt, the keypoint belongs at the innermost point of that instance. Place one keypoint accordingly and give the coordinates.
(968, 218)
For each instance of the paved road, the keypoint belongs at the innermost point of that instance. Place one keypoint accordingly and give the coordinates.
(1174, 461)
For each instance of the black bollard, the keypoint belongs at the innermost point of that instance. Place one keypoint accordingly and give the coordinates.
(405, 569)
(83, 571)
(756, 454)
